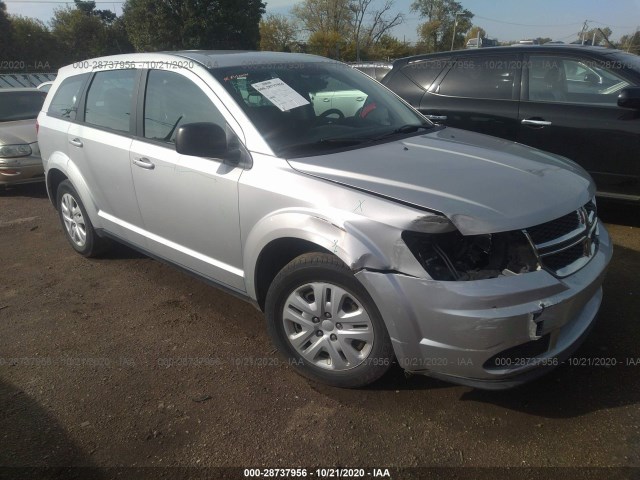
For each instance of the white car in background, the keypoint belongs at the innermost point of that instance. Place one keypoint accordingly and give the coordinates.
(45, 86)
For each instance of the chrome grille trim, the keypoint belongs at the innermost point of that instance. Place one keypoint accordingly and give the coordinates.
(562, 255)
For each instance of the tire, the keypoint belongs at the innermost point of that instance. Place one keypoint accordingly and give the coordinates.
(341, 343)
(76, 223)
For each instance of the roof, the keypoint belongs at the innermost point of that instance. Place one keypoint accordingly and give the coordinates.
(234, 58)
(210, 59)
(545, 48)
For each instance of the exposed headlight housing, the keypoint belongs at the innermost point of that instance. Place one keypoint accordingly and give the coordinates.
(453, 256)
(12, 151)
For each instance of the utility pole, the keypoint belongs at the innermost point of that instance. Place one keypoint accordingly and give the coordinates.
(632, 39)
(584, 29)
(455, 24)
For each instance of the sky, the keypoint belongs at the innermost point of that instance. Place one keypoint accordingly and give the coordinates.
(502, 19)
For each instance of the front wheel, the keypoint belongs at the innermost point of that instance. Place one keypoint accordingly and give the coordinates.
(76, 224)
(326, 324)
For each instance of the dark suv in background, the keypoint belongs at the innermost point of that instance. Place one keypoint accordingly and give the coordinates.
(579, 102)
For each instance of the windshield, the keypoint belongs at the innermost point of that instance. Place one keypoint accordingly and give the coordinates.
(312, 108)
(20, 105)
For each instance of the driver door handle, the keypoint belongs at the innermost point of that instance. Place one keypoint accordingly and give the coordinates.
(76, 142)
(436, 118)
(144, 162)
(536, 123)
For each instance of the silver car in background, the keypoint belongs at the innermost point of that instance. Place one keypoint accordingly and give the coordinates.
(20, 160)
(366, 234)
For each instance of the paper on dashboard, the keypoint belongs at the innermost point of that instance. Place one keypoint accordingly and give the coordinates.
(280, 94)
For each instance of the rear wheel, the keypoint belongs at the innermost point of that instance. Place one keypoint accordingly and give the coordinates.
(76, 224)
(326, 324)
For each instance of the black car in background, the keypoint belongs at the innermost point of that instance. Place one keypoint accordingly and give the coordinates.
(576, 101)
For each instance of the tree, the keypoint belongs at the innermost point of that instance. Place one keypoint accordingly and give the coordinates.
(474, 31)
(80, 35)
(84, 32)
(346, 28)
(5, 34)
(325, 18)
(630, 43)
(327, 23)
(443, 17)
(34, 44)
(368, 34)
(193, 24)
(543, 40)
(389, 48)
(89, 8)
(116, 38)
(328, 44)
(277, 33)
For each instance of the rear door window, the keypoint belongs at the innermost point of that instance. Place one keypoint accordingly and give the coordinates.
(109, 99)
(562, 79)
(487, 77)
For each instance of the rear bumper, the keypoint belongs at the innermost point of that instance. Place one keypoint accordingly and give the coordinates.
(495, 333)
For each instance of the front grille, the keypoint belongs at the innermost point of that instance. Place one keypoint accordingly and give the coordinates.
(546, 232)
(566, 244)
(565, 257)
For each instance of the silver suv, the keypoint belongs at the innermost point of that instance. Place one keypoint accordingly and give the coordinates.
(365, 233)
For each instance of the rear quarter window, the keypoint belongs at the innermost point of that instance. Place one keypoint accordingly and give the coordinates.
(424, 72)
(65, 101)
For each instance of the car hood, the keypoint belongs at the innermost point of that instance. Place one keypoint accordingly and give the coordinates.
(21, 131)
(482, 184)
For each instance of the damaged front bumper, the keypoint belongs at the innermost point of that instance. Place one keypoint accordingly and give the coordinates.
(493, 333)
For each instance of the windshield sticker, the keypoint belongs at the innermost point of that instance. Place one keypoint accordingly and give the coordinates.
(280, 94)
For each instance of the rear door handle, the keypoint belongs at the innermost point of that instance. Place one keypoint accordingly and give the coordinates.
(76, 142)
(536, 123)
(144, 162)
(437, 118)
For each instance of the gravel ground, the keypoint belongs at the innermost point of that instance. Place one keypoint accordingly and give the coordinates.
(126, 362)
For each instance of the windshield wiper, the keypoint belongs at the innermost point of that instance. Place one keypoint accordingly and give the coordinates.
(326, 142)
(350, 141)
(409, 128)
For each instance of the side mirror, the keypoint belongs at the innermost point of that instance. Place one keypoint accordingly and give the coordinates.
(202, 140)
(629, 98)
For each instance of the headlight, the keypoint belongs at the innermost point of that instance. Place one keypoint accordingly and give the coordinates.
(10, 151)
(453, 256)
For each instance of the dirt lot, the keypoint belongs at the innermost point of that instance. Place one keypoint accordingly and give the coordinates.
(126, 362)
